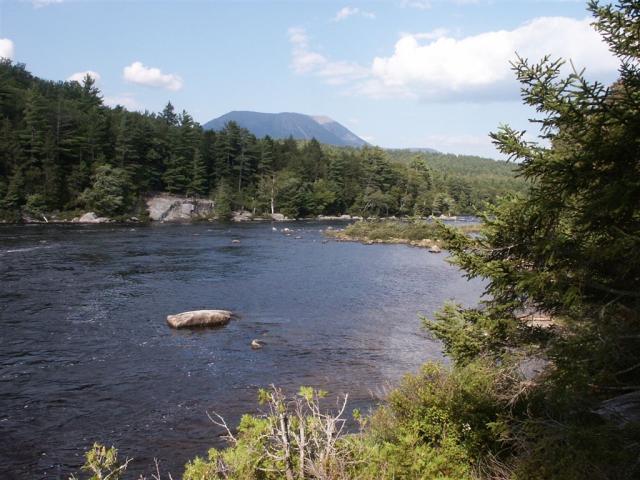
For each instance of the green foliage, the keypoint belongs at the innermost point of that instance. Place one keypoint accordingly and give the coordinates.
(293, 440)
(431, 428)
(387, 230)
(36, 204)
(102, 464)
(222, 202)
(108, 194)
(566, 253)
(416, 232)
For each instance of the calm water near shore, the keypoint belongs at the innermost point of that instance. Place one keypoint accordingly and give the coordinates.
(86, 355)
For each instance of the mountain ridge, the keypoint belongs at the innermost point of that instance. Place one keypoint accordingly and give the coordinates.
(285, 124)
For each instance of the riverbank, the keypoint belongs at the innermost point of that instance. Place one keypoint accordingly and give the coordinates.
(169, 208)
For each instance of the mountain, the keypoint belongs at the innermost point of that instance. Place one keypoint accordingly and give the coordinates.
(283, 125)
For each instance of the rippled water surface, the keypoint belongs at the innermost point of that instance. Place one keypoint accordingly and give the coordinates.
(86, 355)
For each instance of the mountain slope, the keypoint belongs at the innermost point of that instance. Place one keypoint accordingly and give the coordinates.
(283, 125)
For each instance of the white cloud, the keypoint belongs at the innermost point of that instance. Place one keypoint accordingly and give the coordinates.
(347, 12)
(419, 4)
(6, 48)
(79, 76)
(307, 61)
(44, 3)
(479, 64)
(427, 4)
(151, 77)
(127, 100)
(439, 66)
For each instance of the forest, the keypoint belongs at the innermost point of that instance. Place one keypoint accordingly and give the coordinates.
(63, 151)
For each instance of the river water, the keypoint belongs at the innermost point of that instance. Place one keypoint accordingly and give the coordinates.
(86, 355)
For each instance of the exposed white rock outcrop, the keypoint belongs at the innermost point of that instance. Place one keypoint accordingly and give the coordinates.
(330, 217)
(242, 216)
(90, 217)
(200, 318)
(170, 208)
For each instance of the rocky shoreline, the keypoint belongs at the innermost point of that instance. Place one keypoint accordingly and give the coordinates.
(165, 208)
(434, 245)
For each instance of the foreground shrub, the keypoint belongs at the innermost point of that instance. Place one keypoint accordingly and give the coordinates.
(437, 424)
(102, 464)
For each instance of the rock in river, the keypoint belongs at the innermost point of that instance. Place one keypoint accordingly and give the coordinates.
(200, 318)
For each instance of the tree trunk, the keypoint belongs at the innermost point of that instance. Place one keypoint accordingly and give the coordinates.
(284, 427)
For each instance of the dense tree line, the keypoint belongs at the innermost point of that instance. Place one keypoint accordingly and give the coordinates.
(62, 149)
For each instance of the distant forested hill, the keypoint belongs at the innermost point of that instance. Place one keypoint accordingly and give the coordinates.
(482, 177)
(63, 150)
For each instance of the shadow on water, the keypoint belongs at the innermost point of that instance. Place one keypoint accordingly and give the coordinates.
(86, 355)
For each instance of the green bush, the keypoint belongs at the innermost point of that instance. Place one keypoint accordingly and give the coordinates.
(109, 192)
(388, 229)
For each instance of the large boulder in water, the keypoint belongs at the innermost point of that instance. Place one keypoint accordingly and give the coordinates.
(200, 318)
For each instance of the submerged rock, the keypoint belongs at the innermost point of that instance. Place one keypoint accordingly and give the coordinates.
(256, 344)
(435, 249)
(199, 318)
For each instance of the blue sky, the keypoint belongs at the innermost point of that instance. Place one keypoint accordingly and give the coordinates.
(399, 73)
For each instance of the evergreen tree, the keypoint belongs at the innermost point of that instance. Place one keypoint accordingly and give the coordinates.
(169, 116)
(562, 267)
(198, 180)
(109, 191)
(36, 128)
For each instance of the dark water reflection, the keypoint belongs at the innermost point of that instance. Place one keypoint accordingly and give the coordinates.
(85, 354)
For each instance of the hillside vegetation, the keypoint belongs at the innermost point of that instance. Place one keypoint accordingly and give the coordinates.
(62, 149)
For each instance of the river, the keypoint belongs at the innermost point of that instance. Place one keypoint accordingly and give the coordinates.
(86, 355)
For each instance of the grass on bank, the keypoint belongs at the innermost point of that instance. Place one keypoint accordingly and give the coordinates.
(415, 232)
